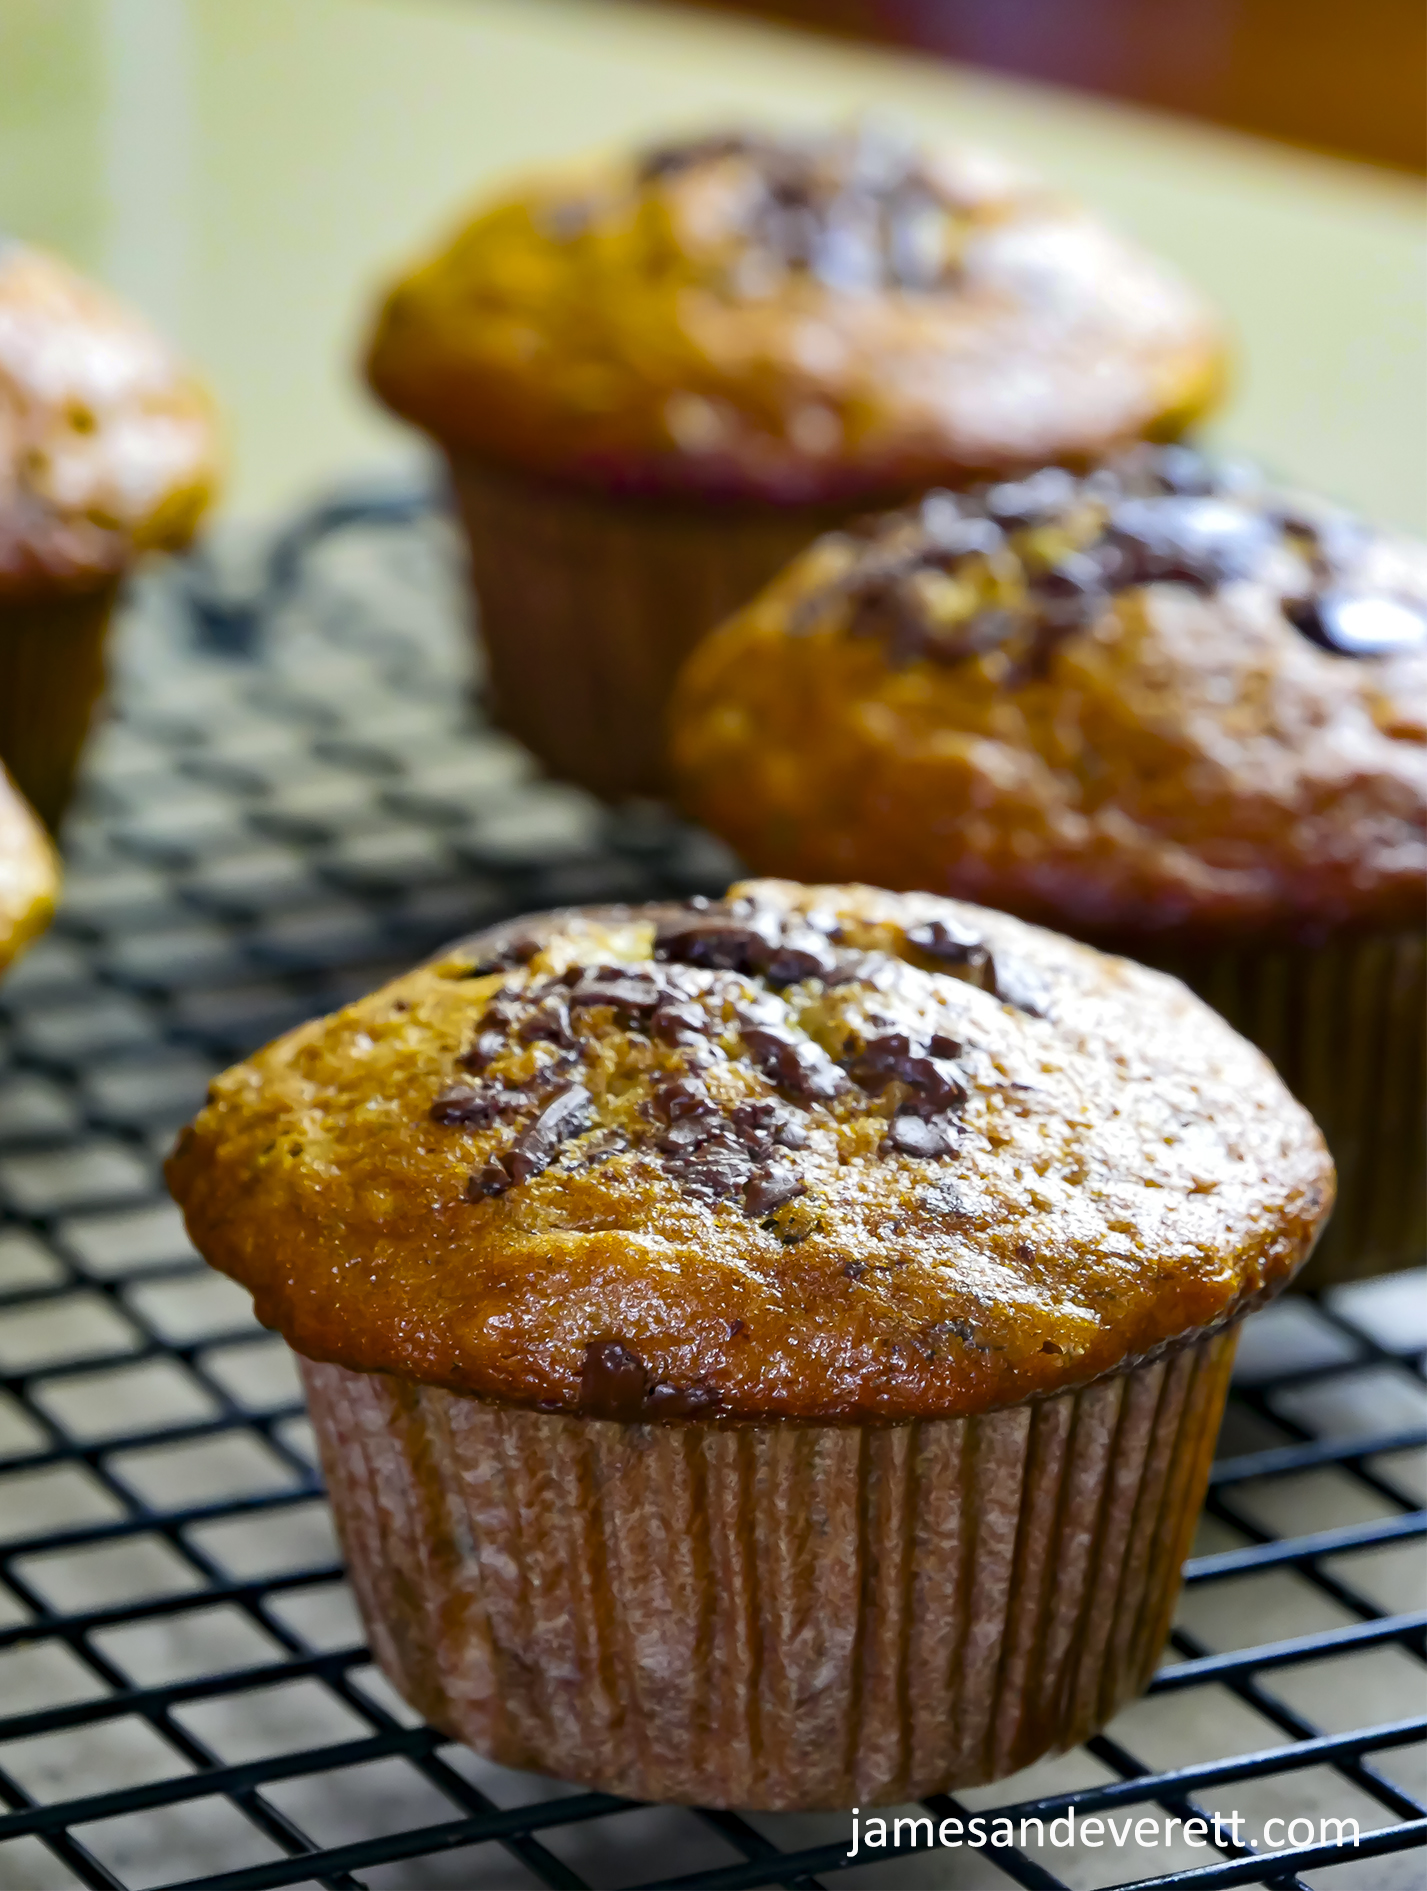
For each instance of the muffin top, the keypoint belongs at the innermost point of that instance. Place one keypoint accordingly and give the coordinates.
(1157, 698)
(106, 446)
(791, 318)
(29, 873)
(813, 1152)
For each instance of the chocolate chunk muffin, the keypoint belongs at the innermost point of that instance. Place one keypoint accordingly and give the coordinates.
(29, 874)
(763, 1353)
(1160, 706)
(107, 449)
(657, 375)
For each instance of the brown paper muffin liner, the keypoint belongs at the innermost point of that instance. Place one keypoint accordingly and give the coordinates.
(588, 604)
(51, 676)
(770, 1615)
(1346, 1025)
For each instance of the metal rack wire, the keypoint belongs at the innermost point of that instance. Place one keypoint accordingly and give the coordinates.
(294, 798)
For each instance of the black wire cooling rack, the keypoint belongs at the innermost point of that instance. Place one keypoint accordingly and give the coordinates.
(294, 798)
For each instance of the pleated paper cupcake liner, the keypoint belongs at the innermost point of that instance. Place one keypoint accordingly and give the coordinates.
(588, 605)
(51, 677)
(774, 1615)
(1346, 1025)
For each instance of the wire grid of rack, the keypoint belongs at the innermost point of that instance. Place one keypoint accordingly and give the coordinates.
(294, 797)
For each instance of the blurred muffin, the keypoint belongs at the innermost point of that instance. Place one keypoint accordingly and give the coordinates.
(107, 449)
(765, 1353)
(656, 376)
(1160, 707)
(29, 874)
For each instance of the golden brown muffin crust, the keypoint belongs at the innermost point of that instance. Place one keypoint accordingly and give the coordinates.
(791, 318)
(1162, 698)
(29, 874)
(106, 446)
(820, 1152)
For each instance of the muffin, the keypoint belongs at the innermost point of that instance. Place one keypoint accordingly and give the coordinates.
(107, 449)
(1160, 707)
(765, 1353)
(656, 376)
(29, 875)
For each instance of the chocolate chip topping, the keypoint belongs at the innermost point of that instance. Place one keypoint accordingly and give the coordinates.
(738, 984)
(1020, 566)
(857, 211)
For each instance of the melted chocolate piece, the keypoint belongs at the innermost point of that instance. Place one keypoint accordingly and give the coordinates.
(716, 941)
(678, 1099)
(1173, 540)
(762, 1124)
(488, 1046)
(515, 952)
(796, 1065)
(1069, 595)
(612, 1381)
(768, 1189)
(857, 212)
(549, 1022)
(1359, 625)
(894, 1056)
(626, 991)
(1022, 504)
(715, 1167)
(675, 1023)
(494, 1179)
(918, 1136)
(961, 953)
(534, 1148)
(472, 1108)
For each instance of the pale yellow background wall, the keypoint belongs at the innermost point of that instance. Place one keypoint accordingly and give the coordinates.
(249, 168)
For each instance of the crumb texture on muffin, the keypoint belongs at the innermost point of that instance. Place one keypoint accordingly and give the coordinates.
(106, 445)
(816, 1152)
(1158, 698)
(799, 317)
(29, 874)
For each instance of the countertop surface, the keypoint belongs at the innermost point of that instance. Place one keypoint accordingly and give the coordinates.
(251, 173)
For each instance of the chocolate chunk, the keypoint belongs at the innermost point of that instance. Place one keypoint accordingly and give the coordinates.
(566, 1114)
(1024, 503)
(715, 1169)
(767, 1189)
(518, 951)
(473, 1108)
(667, 160)
(681, 1097)
(1069, 595)
(1179, 469)
(549, 1022)
(1356, 625)
(625, 991)
(488, 1046)
(494, 1179)
(959, 952)
(665, 1400)
(936, 1086)
(611, 1381)
(800, 953)
(1014, 983)
(675, 1023)
(796, 1065)
(1198, 542)
(918, 1136)
(717, 941)
(936, 1083)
